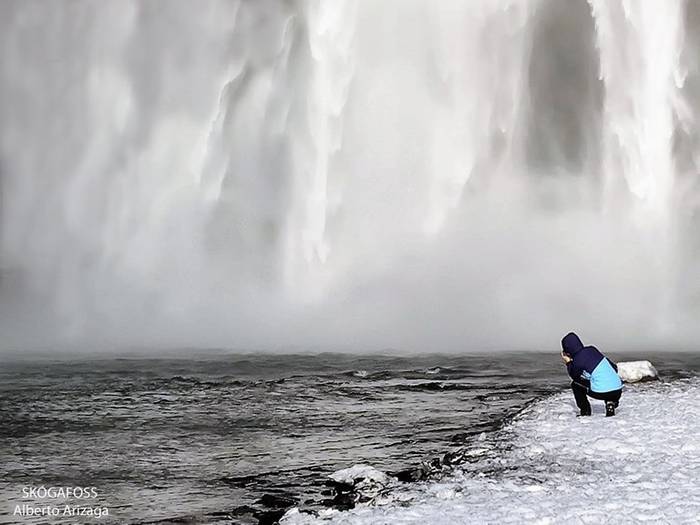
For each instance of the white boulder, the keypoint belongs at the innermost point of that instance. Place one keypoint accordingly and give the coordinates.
(635, 371)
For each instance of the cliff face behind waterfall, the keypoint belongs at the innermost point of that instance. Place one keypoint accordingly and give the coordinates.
(348, 174)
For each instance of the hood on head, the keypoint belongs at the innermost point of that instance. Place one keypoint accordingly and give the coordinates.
(571, 343)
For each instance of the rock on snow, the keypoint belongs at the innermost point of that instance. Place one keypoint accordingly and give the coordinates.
(634, 371)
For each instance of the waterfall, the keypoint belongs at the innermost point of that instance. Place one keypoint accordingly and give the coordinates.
(640, 47)
(346, 173)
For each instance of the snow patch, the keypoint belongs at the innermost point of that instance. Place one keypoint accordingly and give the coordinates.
(359, 472)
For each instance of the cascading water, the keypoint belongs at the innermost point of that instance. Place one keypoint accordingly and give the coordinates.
(348, 174)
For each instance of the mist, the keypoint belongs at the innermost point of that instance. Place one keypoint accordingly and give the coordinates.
(349, 175)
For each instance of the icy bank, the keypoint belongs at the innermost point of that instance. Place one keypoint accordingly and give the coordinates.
(635, 371)
(550, 467)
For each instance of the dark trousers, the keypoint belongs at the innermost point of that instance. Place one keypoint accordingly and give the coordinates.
(581, 394)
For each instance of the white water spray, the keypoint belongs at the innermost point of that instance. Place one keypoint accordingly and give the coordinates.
(348, 174)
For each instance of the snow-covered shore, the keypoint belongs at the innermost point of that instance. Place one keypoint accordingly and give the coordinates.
(548, 466)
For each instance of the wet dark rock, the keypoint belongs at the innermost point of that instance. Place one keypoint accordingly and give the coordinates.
(267, 510)
(269, 517)
(434, 464)
(242, 511)
(339, 486)
(453, 458)
(412, 474)
(462, 437)
(343, 495)
(340, 502)
(409, 475)
(422, 472)
(276, 501)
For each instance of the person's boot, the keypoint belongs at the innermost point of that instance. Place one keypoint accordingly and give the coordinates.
(609, 408)
(585, 412)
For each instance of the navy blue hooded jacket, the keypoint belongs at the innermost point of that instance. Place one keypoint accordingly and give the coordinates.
(589, 367)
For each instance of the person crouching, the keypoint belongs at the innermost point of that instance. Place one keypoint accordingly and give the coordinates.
(593, 375)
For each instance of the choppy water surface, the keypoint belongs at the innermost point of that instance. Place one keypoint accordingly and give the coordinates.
(197, 441)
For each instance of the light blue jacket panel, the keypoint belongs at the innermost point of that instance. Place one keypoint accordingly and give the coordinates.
(604, 378)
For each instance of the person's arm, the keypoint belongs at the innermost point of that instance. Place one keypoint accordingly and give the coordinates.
(576, 374)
